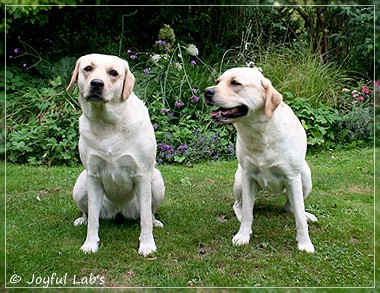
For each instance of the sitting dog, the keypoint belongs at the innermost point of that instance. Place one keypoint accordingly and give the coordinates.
(117, 148)
(271, 147)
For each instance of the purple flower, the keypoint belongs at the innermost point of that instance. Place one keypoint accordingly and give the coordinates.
(183, 148)
(193, 62)
(165, 147)
(194, 90)
(179, 104)
(129, 51)
(164, 111)
(146, 71)
(155, 125)
(194, 99)
(24, 65)
(16, 50)
(160, 42)
(133, 57)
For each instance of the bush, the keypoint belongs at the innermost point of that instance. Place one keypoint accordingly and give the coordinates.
(316, 121)
(42, 124)
(354, 124)
(355, 127)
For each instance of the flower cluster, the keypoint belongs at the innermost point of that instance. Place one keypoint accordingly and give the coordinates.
(192, 50)
(360, 95)
(355, 98)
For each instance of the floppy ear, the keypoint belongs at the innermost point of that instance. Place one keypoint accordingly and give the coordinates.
(74, 77)
(129, 82)
(273, 97)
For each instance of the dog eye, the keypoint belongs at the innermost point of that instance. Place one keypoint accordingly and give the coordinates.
(87, 68)
(113, 73)
(235, 82)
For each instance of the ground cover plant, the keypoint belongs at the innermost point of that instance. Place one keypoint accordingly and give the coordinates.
(195, 247)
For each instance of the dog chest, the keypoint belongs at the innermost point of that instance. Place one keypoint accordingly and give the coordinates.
(269, 177)
(270, 180)
(116, 174)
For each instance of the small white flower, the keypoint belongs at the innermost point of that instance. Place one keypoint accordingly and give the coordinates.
(178, 66)
(156, 58)
(192, 50)
(250, 64)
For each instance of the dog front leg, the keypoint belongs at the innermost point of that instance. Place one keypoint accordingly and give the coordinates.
(295, 197)
(95, 197)
(144, 194)
(249, 190)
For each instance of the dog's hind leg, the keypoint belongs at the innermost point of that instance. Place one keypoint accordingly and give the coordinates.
(80, 198)
(306, 189)
(158, 194)
(294, 192)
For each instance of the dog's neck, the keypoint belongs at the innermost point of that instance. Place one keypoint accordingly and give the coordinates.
(257, 132)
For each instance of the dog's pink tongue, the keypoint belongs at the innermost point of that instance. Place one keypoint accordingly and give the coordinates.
(215, 113)
(223, 112)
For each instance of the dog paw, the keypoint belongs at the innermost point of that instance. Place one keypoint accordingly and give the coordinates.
(80, 221)
(311, 217)
(146, 249)
(90, 247)
(240, 239)
(306, 246)
(158, 224)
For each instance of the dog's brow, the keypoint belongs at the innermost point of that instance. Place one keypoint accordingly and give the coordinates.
(92, 64)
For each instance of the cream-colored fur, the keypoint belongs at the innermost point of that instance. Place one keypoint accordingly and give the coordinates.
(117, 148)
(271, 148)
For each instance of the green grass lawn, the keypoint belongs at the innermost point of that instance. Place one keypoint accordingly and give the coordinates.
(195, 246)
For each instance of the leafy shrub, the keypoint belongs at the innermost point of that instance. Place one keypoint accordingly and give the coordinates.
(355, 127)
(349, 121)
(42, 125)
(316, 121)
(354, 124)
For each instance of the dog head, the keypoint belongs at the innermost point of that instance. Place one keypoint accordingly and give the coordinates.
(102, 78)
(241, 92)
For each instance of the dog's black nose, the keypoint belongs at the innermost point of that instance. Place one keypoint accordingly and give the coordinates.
(208, 93)
(97, 84)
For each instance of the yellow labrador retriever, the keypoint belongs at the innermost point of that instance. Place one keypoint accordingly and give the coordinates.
(271, 147)
(117, 148)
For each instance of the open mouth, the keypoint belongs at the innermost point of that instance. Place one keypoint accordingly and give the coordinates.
(226, 114)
